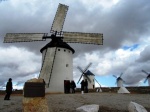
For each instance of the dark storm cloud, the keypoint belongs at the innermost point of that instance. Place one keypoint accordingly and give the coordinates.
(129, 20)
(25, 19)
(144, 55)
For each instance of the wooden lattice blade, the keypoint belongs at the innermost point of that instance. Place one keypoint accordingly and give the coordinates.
(23, 37)
(87, 67)
(85, 38)
(59, 18)
(47, 65)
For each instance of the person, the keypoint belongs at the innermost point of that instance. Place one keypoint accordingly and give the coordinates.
(72, 86)
(82, 85)
(67, 86)
(86, 86)
(8, 89)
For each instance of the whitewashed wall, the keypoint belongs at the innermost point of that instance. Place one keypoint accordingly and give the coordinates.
(62, 70)
(120, 83)
(90, 84)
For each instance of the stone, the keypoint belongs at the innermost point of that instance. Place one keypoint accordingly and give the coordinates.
(88, 108)
(135, 107)
(36, 104)
(34, 88)
(35, 80)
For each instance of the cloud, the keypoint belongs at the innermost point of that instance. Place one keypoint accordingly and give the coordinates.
(145, 55)
(17, 63)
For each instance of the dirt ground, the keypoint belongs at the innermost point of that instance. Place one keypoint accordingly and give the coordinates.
(108, 102)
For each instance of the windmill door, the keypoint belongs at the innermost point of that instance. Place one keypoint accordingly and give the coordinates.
(66, 86)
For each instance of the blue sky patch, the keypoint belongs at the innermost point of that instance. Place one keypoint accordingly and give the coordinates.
(131, 48)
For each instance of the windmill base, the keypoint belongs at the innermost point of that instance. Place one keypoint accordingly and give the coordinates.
(123, 90)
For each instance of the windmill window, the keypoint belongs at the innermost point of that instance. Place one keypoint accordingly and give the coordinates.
(58, 49)
(64, 50)
(67, 65)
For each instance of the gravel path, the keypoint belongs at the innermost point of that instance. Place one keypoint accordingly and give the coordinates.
(108, 102)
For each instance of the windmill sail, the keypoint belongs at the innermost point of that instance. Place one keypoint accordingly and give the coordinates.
(145, 79)
(24, 37)
(121, 75)
(79, 68)
(47, 65)
(85, 38)
(97, 82)
(115, 76)
(59, 18)
(87, 67)
(80, 78)
(145, 72)
(81, 74)
(148, 75)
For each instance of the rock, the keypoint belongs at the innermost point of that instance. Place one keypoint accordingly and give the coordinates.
(88, 108)
(36, 104)
(35, 80)
(34, 88)
(123, 90)
(134, 107)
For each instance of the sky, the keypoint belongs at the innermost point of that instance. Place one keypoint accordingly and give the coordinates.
(125, 25)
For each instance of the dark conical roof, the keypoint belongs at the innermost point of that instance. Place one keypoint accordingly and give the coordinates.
(57, 42)
(89, 73)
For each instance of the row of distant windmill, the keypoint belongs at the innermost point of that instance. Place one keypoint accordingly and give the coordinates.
(86, 74)
(120, 81)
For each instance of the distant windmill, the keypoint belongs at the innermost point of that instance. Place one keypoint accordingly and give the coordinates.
(87, 74)
(147, 78)
(119, 80)
(57, 59)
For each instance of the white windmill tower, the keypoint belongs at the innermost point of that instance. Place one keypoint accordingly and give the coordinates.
(119, 80)
(93, 80)
(147, 78)
(57, 60)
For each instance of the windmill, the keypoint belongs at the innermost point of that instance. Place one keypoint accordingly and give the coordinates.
(90, 74)
(57, 59)
(119, 80)
(87, 74)
(147, 78)
(92, 77)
